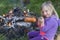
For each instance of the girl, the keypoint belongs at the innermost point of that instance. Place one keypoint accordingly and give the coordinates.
(48, 23)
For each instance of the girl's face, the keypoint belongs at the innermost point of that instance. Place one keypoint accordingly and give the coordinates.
(46, 11)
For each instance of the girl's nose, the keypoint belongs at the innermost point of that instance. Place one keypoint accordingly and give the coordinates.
(44, 13)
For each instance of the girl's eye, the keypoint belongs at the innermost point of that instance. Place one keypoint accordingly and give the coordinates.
(42, 11)
(46, 10)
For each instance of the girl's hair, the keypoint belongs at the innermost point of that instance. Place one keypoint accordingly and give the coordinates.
(49, 4)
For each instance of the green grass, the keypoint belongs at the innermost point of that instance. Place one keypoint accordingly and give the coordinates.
(3, 37)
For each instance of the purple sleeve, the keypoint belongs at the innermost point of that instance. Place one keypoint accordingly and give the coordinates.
(59, 22)
(49, 24)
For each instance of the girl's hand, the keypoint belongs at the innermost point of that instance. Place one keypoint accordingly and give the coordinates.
(41, 21)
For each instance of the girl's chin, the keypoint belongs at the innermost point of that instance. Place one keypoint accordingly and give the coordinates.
(44, 16)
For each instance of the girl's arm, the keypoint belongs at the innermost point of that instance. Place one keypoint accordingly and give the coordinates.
(51, 23)
(59, 22)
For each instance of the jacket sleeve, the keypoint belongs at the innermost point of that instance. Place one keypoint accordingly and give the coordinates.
(48, 25)
(59, 22)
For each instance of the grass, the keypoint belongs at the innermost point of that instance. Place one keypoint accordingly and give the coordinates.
(3, 37)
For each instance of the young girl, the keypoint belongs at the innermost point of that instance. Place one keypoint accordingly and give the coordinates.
(48, 23)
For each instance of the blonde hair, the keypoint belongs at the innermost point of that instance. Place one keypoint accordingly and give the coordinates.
(49, 4)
